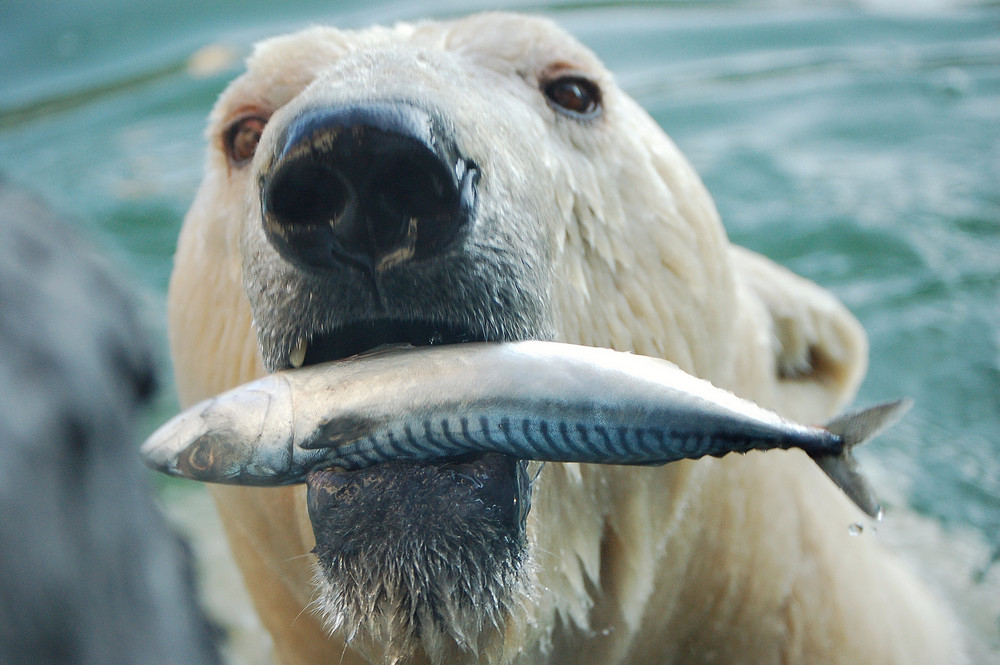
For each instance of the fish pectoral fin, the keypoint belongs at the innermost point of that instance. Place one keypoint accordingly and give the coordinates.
(340, 431)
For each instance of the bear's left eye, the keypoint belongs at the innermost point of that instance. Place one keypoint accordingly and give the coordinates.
(573, 95)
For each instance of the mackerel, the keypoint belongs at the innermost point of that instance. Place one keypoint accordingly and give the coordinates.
(533, 400)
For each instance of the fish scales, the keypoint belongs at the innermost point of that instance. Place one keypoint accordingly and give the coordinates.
(541, 401)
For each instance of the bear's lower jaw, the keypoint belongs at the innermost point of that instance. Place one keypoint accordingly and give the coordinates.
(421, 557)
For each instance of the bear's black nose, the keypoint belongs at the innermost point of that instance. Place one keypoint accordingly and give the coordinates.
(371, 186)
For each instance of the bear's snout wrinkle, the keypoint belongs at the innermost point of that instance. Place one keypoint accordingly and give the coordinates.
(370, 186)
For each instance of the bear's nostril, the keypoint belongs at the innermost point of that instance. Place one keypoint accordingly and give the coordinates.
(305, 193)
(410, 187)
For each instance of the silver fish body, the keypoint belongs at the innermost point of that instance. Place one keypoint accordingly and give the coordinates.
(532, 400)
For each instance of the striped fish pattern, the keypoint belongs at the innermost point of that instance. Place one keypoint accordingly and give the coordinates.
(543, 401)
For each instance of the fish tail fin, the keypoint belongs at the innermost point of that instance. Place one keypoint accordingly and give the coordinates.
(856, 427)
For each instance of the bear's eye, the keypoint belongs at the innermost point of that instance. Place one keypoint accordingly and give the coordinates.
(240, 140)
(574, 95)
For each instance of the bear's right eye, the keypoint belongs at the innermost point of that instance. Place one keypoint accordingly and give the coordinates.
(241, 139)
(573, 95)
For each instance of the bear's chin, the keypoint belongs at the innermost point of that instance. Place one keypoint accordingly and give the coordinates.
(421, 557)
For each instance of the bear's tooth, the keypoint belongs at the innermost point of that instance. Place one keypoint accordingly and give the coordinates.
(298, 354)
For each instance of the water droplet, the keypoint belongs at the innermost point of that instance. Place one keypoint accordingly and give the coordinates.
(856, 529)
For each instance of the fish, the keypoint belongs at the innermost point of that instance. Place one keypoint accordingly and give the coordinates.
(533, 400)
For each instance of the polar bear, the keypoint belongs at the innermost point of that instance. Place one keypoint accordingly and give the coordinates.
(485, 179)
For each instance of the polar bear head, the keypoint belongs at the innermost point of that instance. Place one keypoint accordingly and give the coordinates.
(481, 179)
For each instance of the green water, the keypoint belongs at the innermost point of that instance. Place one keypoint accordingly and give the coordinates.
(857, 144)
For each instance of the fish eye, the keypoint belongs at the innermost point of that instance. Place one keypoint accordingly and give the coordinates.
(241, 138)
(573, 95)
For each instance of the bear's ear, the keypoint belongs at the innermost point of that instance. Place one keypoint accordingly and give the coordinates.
(820, 349)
